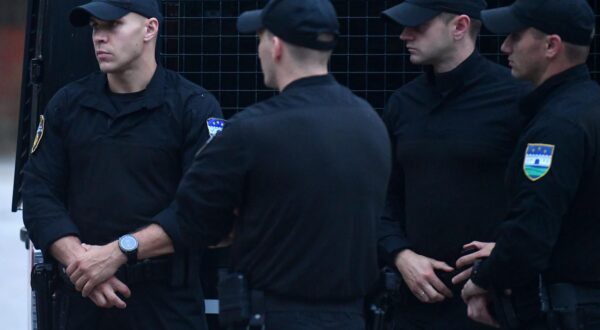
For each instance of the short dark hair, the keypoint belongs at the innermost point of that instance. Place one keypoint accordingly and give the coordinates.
(574, 53)
(309, 56)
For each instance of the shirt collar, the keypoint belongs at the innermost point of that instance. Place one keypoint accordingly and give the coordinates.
(445, 82)
(532, 102)
(325, 79)
(154, 94)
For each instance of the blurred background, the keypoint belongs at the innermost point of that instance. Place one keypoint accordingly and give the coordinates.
(13, 257)
(12, 37)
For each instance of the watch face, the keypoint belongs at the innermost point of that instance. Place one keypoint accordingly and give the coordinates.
(128, 243)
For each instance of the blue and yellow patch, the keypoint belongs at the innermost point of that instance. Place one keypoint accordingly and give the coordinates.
(538, 160)
(215, 125)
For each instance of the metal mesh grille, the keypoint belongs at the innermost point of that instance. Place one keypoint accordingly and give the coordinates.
(201, 42)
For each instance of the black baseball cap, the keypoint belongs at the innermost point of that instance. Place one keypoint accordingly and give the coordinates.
(416, 12)
(299, 22)
(572, 20)
(111, 10)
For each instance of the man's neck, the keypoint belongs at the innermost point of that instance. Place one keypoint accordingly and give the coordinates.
(132, 80)
(287, 78)
(453, 60)
(553, 70)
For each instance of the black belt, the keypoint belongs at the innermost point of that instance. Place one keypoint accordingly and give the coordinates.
(147, 270)
(558, 303)
(567, 296)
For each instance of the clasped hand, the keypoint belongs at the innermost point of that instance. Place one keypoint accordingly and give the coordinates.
(93, 272)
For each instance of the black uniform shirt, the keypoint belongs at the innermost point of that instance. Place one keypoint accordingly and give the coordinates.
(308, 170)
(554, 221)
(100, 172)
(452, 136)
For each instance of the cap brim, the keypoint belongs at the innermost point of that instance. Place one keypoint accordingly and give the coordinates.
(250, 21)
(408, 14)
(80, 16)
(501, 20)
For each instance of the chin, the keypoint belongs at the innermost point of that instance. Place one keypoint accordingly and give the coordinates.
(269, 85)
(109, 68)
(516, 74)
(106, 68)
(416, 60)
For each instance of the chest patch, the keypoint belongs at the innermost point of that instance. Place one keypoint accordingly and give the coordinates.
(215, 125)
(538, 160)
(39, 134)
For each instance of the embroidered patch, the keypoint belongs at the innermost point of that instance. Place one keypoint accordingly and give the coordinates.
(215, 125)
(538, 160)
(39, 134)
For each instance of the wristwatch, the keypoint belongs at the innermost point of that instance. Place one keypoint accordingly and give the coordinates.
(128, 244)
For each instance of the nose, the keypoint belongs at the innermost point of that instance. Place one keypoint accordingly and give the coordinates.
(506, 47)
(99, 36)
(407, 34)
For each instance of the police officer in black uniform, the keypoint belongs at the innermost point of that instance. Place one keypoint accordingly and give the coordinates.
(554, 175)
(453, 130)
(307, 169)
(98, 189)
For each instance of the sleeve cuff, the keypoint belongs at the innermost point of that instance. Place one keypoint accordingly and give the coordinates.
(391, 246)
(48, 231)
(167, 219)
(482, 275)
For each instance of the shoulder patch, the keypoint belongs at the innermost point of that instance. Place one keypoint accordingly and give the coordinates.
(39, 134)
(538, 160)
(215, 125)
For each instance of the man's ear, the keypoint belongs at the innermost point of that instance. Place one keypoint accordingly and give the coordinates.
(554, 46)
(462, 24)
(277, 50)
(151, 29)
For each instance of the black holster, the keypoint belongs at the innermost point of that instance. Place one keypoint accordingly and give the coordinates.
(44, 280)
(503, 311)
(560, 305)
(518, 309)
(380, 302)
(239, 307)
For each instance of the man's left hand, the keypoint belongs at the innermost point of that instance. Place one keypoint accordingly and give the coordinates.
(470, 290)
(95, 266)
(477, 310)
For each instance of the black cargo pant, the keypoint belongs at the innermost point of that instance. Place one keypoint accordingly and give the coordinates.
(410, 314)
(152, 306)
(589, 318)
(290, 314)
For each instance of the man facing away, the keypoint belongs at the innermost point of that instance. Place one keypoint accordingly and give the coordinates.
(307, 170)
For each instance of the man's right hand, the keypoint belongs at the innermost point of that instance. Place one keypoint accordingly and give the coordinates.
(66, 250)
(104, 295)
(483, 250)
(418, 273)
